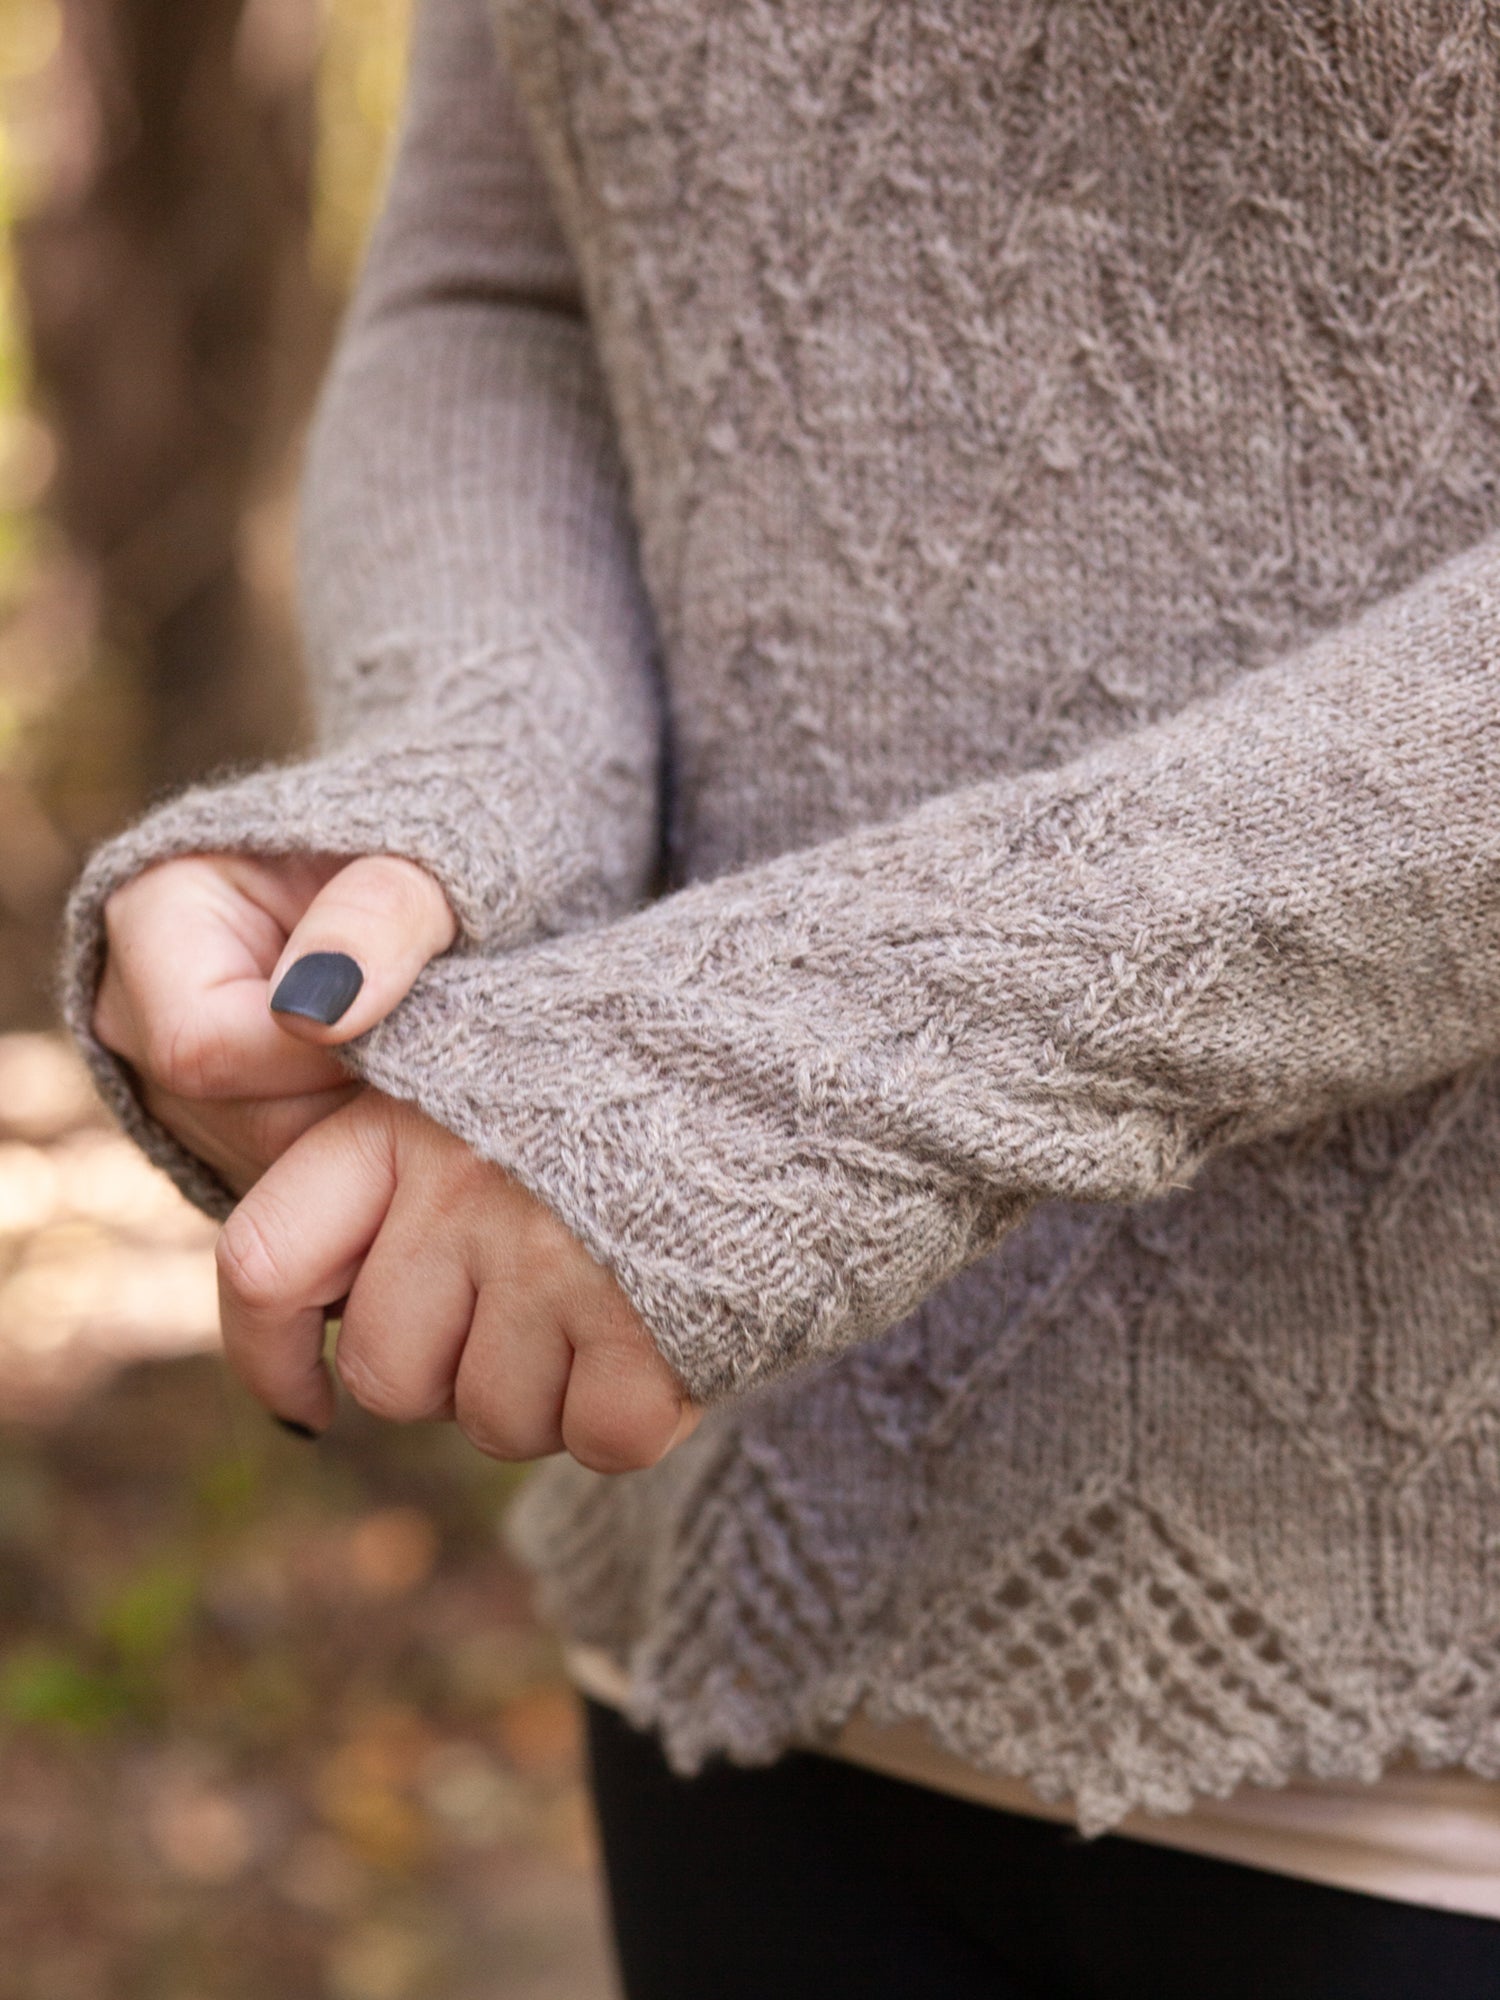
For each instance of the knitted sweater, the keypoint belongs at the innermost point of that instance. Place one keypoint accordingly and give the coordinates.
(927, 580)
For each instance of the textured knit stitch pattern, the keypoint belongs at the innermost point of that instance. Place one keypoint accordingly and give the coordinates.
(1004, 502)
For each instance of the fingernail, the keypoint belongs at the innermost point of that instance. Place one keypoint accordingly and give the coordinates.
(297, 1430)
(321, 987)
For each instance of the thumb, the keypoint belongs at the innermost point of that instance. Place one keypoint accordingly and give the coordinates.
(360, 943)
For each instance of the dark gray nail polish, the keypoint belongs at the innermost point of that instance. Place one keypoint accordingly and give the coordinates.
(296, 1430)
(321, 987)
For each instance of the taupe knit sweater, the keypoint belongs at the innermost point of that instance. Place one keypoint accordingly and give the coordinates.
(1052, 1110)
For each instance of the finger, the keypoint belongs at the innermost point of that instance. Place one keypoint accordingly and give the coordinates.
(182, 998)
(513, 1377)
(406, 1320)
(358, 947)
(624, 1408)
(294, 1244)
(240, 1137)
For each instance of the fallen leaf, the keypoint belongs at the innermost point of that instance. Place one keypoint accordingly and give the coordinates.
(390, 1552)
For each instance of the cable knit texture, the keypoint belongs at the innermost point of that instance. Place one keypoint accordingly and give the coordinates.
(1055, 1116)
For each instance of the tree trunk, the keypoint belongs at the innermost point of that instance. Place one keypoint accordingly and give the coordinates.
(175, 334)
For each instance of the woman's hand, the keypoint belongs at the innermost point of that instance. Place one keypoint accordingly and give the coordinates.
(466, 1298)
(197, 948)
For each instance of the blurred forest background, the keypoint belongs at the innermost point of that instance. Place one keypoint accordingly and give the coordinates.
(275, 1721)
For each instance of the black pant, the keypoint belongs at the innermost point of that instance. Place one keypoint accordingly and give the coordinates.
(818, 1878)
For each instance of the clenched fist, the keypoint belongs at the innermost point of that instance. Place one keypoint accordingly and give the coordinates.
(466, 1298)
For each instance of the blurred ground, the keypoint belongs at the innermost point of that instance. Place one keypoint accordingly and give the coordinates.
(275, 1720)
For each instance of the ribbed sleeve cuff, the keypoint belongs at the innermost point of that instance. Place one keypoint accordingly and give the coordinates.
(513, 868)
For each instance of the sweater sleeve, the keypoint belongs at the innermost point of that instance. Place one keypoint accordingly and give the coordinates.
(479, 644)
(785, 1104)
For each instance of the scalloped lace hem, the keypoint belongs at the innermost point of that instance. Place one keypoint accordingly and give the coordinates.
(1110, 1666)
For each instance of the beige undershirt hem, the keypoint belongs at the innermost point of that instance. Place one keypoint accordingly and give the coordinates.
(1431, 1838)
